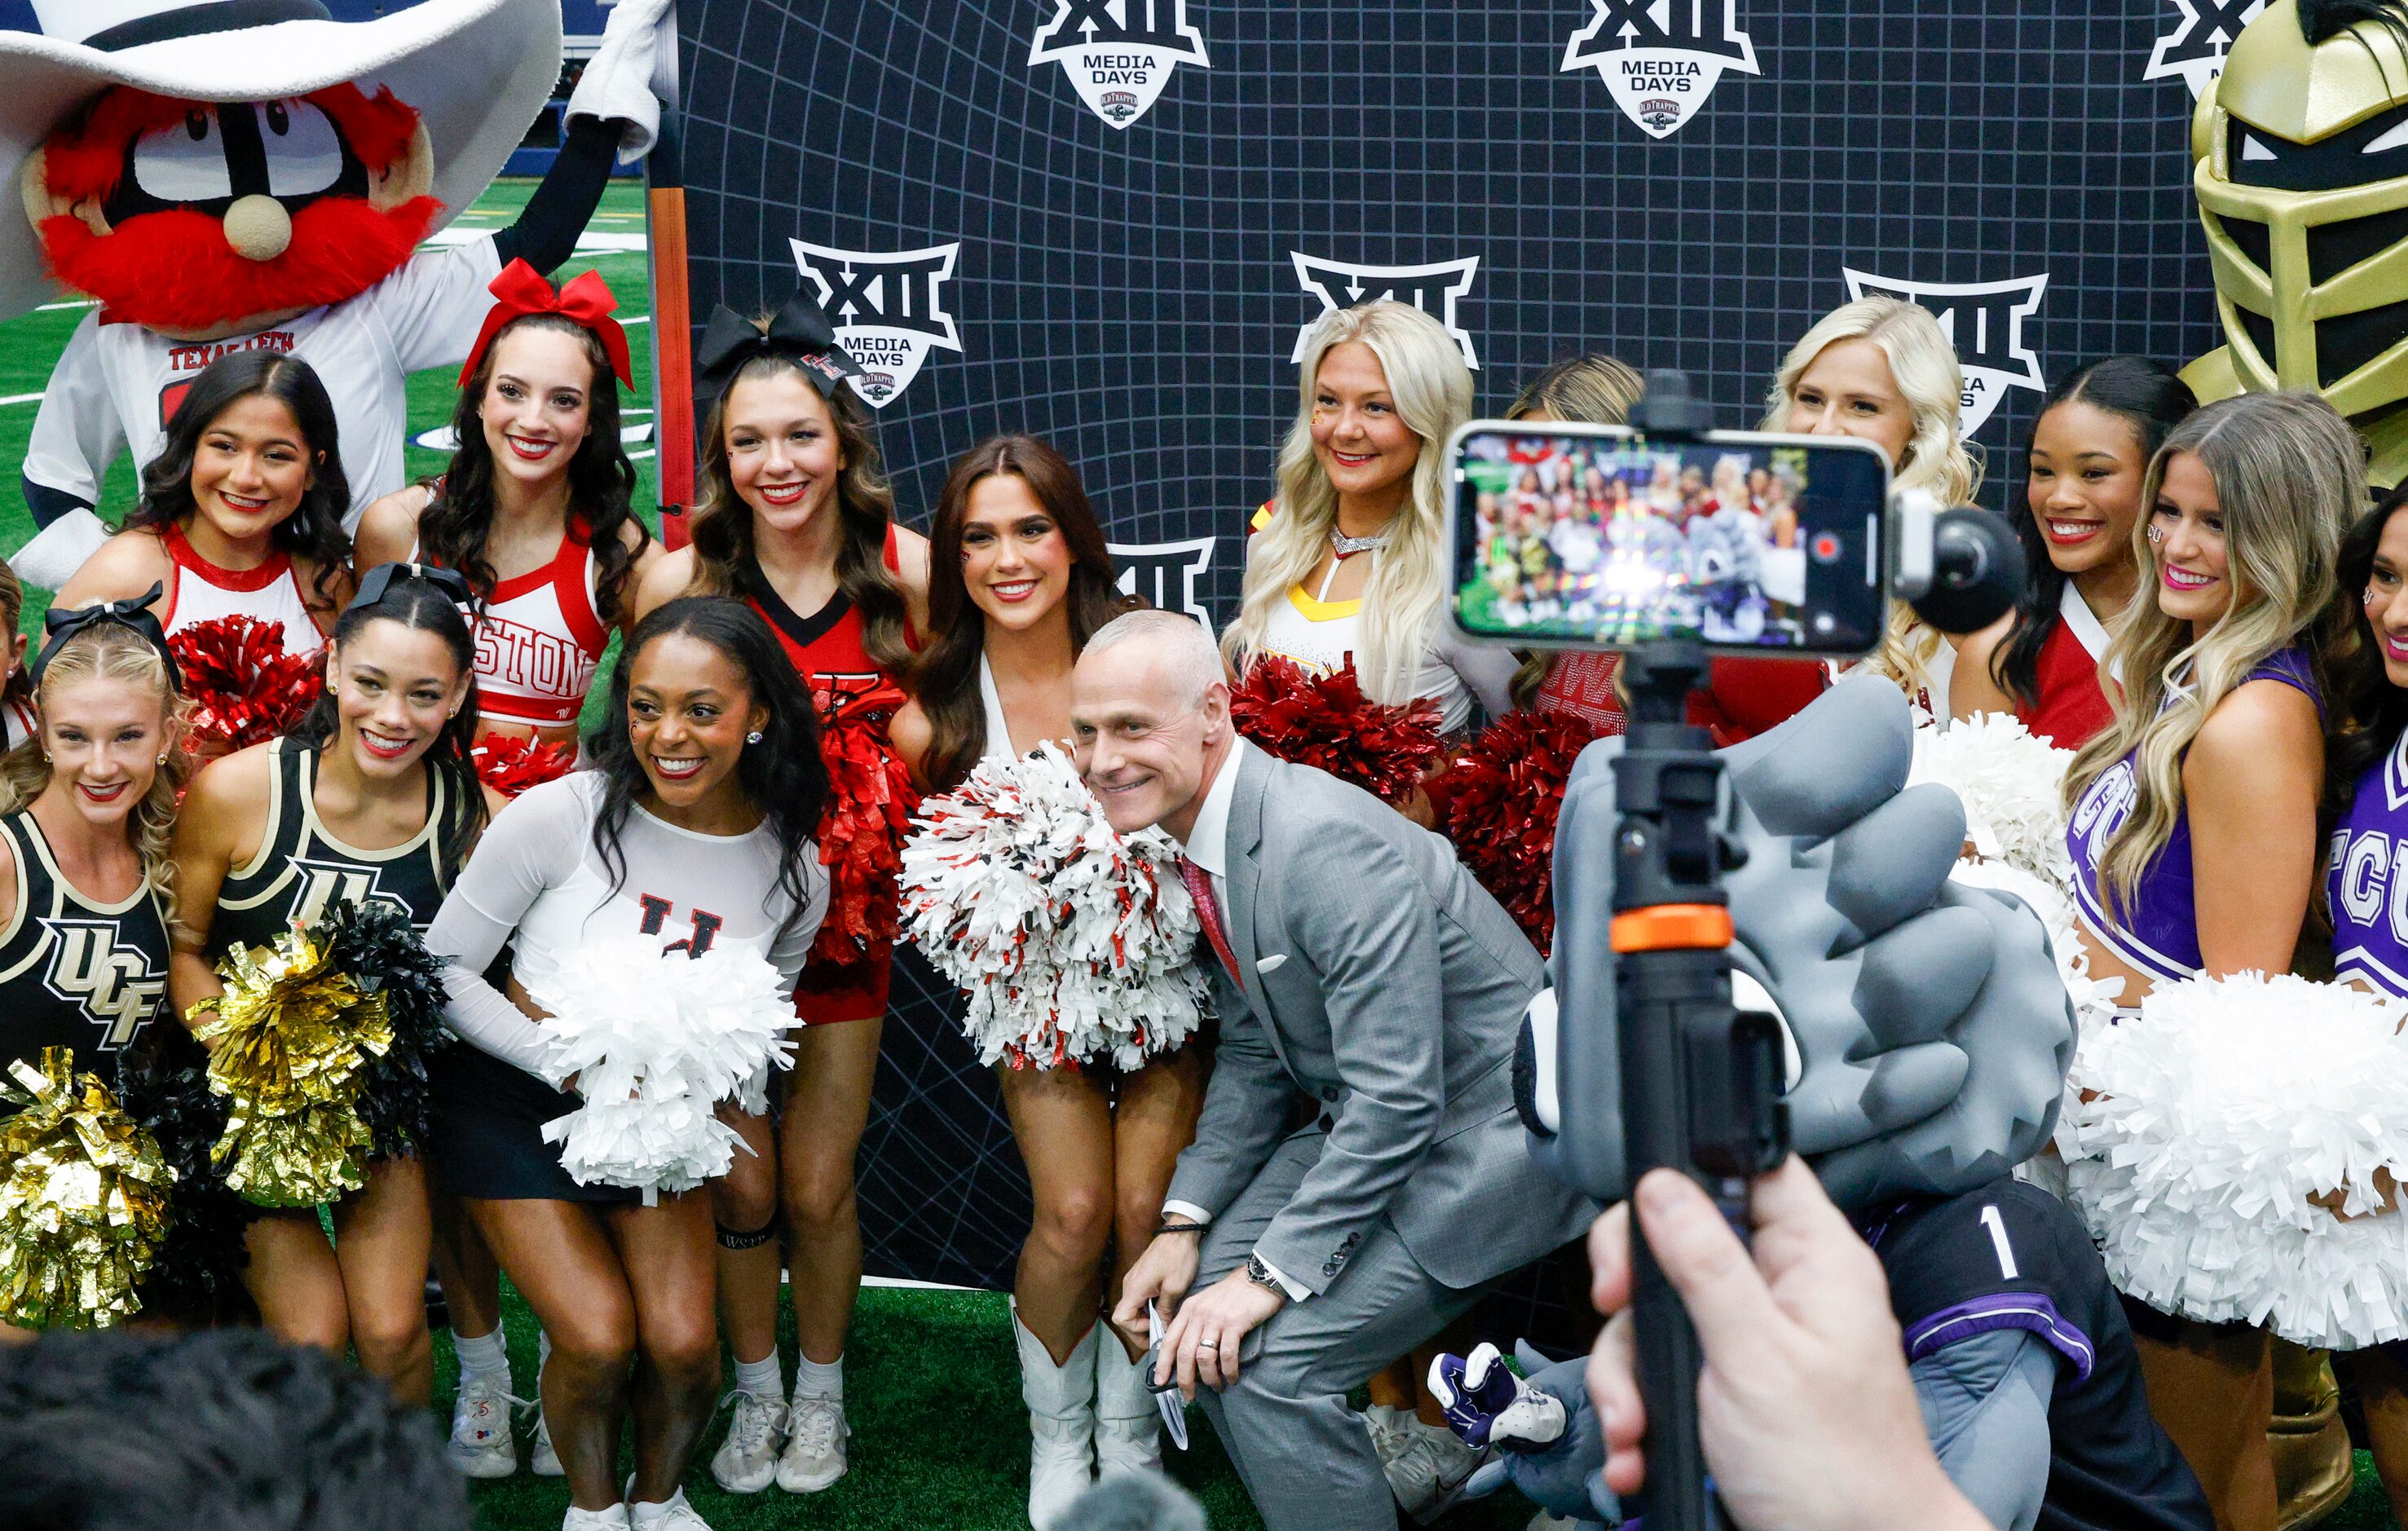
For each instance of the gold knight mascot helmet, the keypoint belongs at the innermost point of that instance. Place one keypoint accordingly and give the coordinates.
(2299, 155)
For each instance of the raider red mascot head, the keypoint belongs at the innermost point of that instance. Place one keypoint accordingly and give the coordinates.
(198, 166)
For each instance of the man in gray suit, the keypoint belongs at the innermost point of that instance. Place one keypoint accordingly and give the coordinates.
(1356, 963)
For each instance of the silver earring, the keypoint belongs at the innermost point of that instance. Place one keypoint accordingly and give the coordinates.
(754, 738)
(163, 760)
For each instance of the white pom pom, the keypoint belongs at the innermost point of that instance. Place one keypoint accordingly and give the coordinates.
(2212, 1119)
(656, 1040)
(1072, 941)
(2012, 783)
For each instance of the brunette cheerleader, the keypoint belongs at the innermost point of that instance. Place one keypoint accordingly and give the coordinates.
(242, 510)
(694, 829)
(1019, 578)
(15, 692)
(2193, 814)
(372, 796)
(794, 518)
(2090, 449)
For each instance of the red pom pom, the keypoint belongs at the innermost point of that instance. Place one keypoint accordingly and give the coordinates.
(245, 686)
(1504, 794)
(868, 815)
(511, 766)
(1326, 722)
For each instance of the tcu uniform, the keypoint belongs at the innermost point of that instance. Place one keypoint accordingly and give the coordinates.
(74, 972)
(2366, 883)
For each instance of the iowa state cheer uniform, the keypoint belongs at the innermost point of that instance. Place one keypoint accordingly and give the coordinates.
(2001, 1295)
(75, 972)
(2072, 703)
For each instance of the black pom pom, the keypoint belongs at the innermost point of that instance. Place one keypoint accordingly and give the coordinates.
(374, 943)
(164, 1081)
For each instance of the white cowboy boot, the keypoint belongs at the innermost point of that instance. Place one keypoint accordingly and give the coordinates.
(1061, 1422)
(1128, 1427)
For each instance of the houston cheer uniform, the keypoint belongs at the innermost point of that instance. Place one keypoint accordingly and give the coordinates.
(826, 651)
(538, 638)
(117, 385)
(2366, 878)
(2072, 704)
(2159, 932)
(2010, 1258)
(301, 868)
(538, 883)
(198, 590)
(75, 972)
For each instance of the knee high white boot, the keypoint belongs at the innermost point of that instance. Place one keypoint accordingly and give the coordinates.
(1061, 1422)
(1128, 1427)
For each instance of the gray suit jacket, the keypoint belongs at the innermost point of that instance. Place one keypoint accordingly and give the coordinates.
(1385, 983)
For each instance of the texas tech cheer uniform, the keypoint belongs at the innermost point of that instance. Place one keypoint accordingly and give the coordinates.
(538, 883)
(2009, 1257)
(2366, 878)
(75, 972)
(16, 718)
(827, 652)
(301, 868)
(2072, 704)
(199, 590)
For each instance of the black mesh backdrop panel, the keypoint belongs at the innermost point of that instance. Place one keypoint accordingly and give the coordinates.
(1133, 291)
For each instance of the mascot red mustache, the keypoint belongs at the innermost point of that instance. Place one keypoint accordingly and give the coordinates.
(228, 175)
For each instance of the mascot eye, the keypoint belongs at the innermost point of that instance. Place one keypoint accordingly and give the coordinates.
(2251, 148)
(304, 154)
(2395, 137)
(184, 164)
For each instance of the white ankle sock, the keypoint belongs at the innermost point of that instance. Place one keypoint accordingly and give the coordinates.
(483, 1355)
(645, 1514)
(763, 1378)
(819, 1379)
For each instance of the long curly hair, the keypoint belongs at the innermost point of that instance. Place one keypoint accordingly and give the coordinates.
(782, 775)
(314, 530)
(2289, 475)
(459, 516)
(113, 652)
(1432, 387)
(946, 681)
(725, 554)
(20, 685)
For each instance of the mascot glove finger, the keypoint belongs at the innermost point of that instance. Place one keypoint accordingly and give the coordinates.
(623, 80)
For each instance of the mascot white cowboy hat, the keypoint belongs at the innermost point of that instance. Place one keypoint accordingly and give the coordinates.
(251, 174)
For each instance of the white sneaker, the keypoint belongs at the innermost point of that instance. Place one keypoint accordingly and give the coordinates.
(674, 1514)
(1389, 1433)
(482, 1445)
(747, 1461)
(1428, 1477)
(815, 1453)
(543, 1460)
(612, 1518)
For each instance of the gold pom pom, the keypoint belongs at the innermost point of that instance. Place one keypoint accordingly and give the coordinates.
(291, 1039)
(83, 1199)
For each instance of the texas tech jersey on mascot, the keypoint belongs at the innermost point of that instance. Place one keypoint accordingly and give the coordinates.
(228, 177)
(2300, 153)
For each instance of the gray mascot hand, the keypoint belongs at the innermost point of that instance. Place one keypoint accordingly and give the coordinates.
(1930, 1028)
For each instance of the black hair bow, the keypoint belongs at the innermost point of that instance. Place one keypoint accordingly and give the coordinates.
(800, 332)
(62, 624)
(379, 581)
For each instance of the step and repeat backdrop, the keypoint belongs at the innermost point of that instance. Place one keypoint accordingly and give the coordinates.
(1107, 221)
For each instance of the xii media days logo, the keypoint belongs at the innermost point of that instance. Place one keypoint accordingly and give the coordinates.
(888, 309)
(1434, 288)
(1984, 322)
(1119, 53)
(1660, 59)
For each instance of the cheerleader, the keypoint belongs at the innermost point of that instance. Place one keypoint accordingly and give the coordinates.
(794, 518)
(17, 693)
(2193, 820)
(1019, 578)
(242, 510)
(535, 507)
(693, 830)
(1882, 370)
(1381, 387)
(372, 796)
(2090, 451)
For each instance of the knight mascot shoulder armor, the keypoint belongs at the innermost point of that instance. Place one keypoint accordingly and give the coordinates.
(221, 177)
(2300, 160)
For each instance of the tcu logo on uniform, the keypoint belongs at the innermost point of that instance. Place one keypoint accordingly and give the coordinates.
(888, 309)
(1660, 59)
(326, 883)
(1984, 322)
(2195, 48)
(115, 986)
(1119, 53)
(1433, 289)
(1164, 573)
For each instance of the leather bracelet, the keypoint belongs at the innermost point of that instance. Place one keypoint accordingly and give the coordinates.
(1161, 1228)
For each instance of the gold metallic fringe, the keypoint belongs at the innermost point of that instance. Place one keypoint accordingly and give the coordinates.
(83, 1199)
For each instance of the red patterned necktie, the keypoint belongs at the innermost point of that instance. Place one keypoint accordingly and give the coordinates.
(1208, 914)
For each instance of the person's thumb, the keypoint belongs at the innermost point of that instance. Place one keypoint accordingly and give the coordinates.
(1705, 1262)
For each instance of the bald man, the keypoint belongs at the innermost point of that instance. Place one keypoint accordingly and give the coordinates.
(1356, 961)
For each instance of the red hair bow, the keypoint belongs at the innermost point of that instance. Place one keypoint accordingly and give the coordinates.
(521, 291)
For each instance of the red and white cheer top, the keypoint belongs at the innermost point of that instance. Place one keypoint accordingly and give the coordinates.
(198, 590)
(539, 640)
